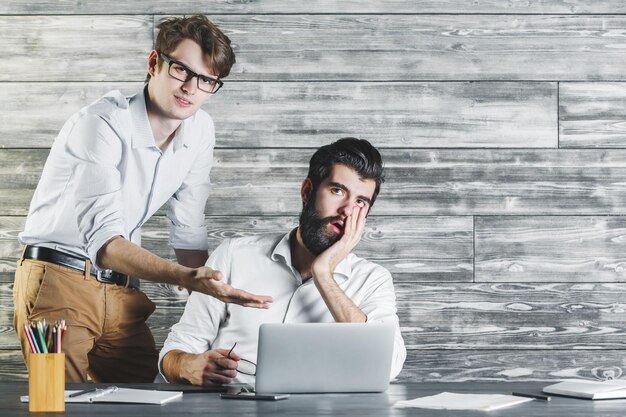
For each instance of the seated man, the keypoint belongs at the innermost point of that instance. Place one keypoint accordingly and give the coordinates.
(310, 272)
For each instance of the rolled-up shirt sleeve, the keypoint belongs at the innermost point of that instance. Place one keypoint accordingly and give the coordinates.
(380, 307)
(94, 151)
(203, 315)
(186, 207)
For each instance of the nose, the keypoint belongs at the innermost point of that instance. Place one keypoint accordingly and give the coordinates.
(190, 86)
(346, 209)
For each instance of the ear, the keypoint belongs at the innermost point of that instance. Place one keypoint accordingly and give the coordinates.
(153, 60)
(305, 190)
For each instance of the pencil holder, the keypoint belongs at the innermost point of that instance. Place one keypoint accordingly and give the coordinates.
(46, 382)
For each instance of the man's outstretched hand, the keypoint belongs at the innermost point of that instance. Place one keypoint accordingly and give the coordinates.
(209, 281)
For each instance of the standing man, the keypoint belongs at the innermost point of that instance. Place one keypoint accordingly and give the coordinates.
(310, 271)
(112, 166)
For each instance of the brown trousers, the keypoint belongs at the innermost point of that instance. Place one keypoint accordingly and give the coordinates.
(107, 336)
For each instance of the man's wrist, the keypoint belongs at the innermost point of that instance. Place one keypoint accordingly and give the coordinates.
(322, 277)
(186, 277)
(173, 366)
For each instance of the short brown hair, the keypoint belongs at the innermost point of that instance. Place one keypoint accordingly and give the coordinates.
(357, 154)
(173, 30)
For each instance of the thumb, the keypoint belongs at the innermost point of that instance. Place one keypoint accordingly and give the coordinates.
(217, 275)
(209, 273)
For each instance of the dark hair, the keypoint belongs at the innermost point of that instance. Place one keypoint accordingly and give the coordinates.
(172, 31)
(357, 154)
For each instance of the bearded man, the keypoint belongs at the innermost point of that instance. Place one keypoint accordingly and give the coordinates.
(310, 273)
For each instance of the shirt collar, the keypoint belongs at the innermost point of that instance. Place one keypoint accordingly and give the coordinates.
(282, 253)
(142, 131)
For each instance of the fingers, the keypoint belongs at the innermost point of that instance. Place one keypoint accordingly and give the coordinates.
(354, 226)
(219, 369)
(236, 296)
(218, 378)
(233, 355)
(361, 220)
(228, 294)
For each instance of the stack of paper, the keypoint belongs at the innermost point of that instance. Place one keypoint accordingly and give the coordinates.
(594, 390)
(454, 401)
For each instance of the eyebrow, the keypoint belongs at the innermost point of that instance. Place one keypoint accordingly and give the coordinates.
(343, 187)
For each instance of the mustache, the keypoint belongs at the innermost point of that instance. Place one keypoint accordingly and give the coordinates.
(331, 219)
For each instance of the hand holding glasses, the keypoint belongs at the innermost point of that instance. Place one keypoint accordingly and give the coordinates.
(181, 72)
(244, 366)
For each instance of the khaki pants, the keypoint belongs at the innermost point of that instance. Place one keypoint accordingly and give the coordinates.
(107, 336)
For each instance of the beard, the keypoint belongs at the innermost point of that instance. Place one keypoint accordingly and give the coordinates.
(314, 229)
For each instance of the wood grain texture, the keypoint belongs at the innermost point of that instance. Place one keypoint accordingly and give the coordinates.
(512, 316)
(550, 249)
(309, 114)
(331, 47)
(32, 114)
(419, 181)
(454, 366)
(75, 48)
(452, 316)
(315, 6)
(592, 115)
(506, 365)
(411, 248)
(432, 47)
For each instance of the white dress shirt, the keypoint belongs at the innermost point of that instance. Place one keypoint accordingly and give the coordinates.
(105, 177)
(262, 265)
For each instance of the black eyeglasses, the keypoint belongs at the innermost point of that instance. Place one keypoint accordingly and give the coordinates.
(245, 367)
(182, 72)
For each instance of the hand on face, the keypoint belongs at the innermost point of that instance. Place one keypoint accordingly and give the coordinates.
(353, 226)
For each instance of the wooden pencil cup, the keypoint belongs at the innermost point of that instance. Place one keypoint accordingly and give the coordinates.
(46, 382)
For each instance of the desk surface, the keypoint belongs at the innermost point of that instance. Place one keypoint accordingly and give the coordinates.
(361, 405)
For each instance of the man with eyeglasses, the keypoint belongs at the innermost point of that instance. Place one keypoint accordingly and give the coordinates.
(112, 166)
(310, 272)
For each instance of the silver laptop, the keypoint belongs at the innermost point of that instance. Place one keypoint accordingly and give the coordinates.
(324, 357)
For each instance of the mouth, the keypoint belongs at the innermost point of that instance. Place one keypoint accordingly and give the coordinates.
(183, 102)
(337, 226)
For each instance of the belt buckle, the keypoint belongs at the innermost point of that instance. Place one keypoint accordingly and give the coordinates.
(104, 276)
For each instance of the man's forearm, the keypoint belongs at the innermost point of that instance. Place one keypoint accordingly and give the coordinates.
(340, 305)
(172, 366)
(123, 256)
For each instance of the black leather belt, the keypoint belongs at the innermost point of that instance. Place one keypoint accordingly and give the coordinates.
(39, 253)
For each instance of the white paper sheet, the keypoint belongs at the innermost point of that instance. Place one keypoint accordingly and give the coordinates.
(454, 401)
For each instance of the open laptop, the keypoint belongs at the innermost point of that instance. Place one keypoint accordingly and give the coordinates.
(324, 357)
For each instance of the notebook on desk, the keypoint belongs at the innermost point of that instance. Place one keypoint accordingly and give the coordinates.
(118, 395)
(324, 357)
(592, 390)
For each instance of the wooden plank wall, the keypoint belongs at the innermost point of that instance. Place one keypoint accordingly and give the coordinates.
(503, 127)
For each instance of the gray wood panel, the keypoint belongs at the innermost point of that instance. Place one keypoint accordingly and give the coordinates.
(75, 48)
(32, 114)
(419, 182)
(506, 365)
(452, 366)
(452, 316)
(431, 47)
(315, 6)
(550, 249)
(411, 248)
(331, 47)
(512, 316)
(309, 114)
(592, 115)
